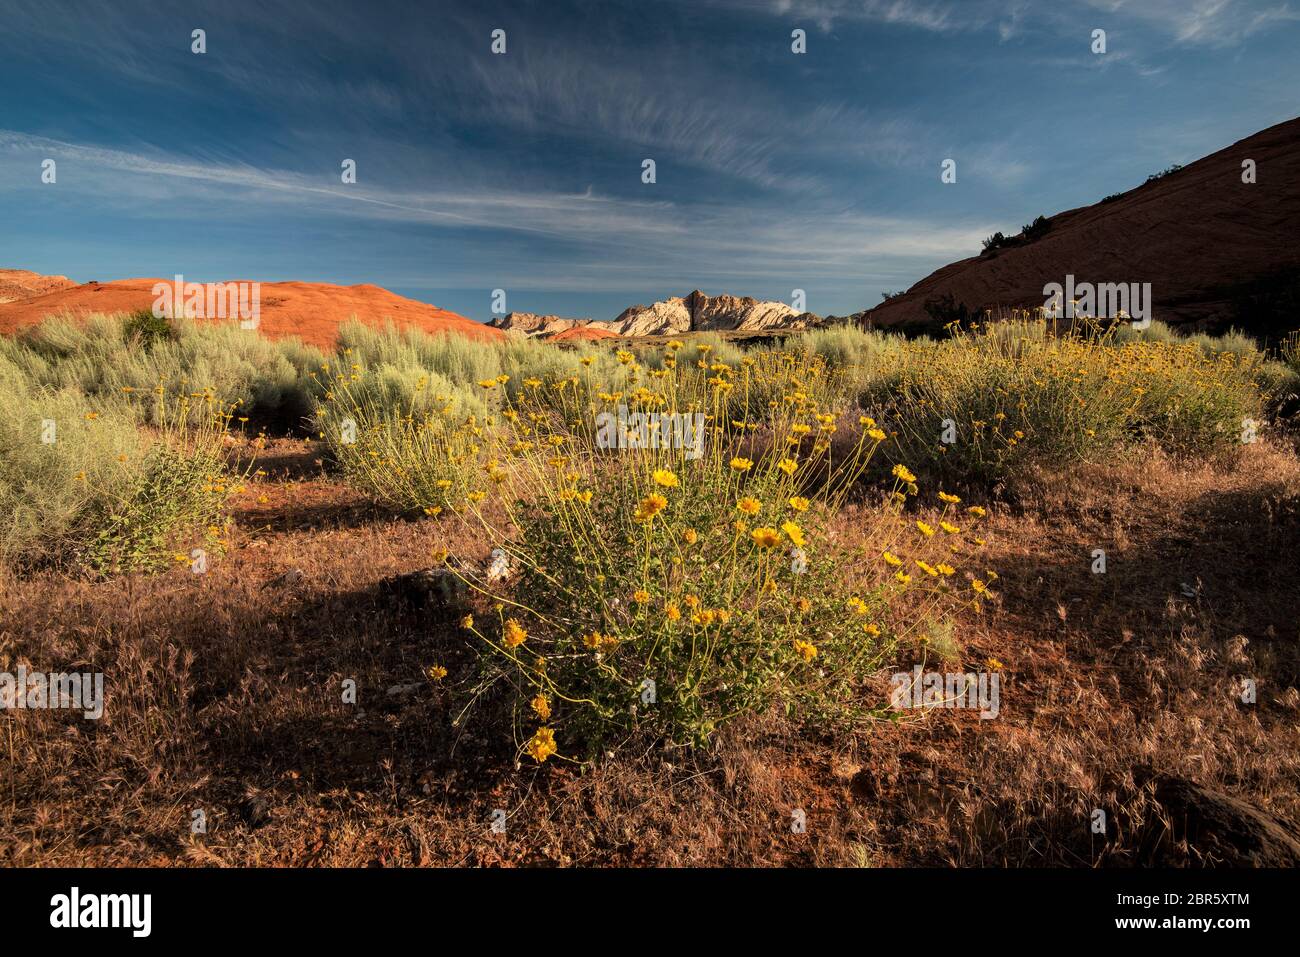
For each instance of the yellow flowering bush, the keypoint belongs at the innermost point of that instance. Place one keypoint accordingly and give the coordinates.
(671, 589)
(990, 401)
(415, 449)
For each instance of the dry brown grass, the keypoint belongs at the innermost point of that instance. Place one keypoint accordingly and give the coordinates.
(223, 693)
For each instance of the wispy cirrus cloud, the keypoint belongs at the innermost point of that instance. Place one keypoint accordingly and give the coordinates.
(935, 16)
(1202, 22)
(691, 117)
(1193, 22)
(737, 240)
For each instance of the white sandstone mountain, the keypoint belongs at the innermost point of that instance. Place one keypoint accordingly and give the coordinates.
(696, 312)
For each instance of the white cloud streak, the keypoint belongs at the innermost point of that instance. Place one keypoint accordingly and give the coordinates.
(643, 239)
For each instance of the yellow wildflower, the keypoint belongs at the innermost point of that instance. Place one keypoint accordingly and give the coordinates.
(542, 745)
(514, 634)
(650, 506)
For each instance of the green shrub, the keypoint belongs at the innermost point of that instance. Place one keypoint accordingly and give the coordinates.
(1168, 170)
(83, 484)
(410, 445)
(984, 406)
(106, 358)
(145, 328)
(848, 347)
(1032, 232)
(946, 311)
(1290, 351)
(994, 242)
(1155, 331)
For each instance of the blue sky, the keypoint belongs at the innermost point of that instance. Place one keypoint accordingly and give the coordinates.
(522, 171)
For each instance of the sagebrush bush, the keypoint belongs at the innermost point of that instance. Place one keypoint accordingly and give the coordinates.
(992, 401)
(412, 446)
(83, 484)
(852, 354)
(112, 359)
(405, 358)
(1290, 351)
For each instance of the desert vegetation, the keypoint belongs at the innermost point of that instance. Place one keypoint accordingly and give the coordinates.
(88, 483)
(546, 598)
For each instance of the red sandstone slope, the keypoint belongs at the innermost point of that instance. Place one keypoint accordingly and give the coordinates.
(312, 311)
(1206, 241)
(18, 284)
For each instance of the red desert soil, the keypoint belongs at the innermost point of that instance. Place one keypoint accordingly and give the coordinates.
(582, 333)
(1112, 684)
(312, 311)
(1199, 235)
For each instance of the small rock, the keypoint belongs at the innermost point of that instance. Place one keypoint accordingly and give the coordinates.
(499, 566)
(290, 578)
(255, 810)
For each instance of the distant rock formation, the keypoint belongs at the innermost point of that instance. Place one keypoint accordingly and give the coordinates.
(696, 312)
(739, 312)
(532, 324)
(19, 284)
(666, 317)
(581, 333)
